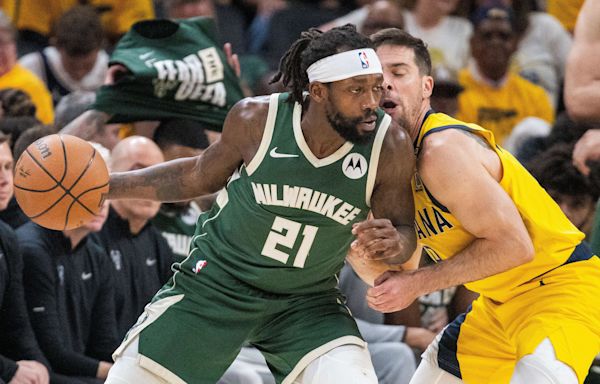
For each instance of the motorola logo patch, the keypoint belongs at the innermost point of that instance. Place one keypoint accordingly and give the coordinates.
(355, 166)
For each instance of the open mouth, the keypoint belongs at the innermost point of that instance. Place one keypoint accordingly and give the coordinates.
(388, 105)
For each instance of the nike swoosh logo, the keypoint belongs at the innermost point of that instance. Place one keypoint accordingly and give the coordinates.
(150, 262)
(86, 276)
(276, 155)
(146, 55)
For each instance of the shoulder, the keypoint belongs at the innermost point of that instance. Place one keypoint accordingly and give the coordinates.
(251, 108)
(544, 21)
(460, 26)
(246, 121)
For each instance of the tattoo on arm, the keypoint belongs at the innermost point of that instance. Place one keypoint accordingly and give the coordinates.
(88, 125)
(480, 140)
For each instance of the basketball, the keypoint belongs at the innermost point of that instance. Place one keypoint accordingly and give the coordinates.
(61, 182)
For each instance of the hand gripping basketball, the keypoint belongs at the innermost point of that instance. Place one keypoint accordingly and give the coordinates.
(61, 182)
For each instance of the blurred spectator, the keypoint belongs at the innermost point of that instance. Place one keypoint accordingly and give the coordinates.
(35, 18)
(258, 31)
(75, 61)
(229, 20)
(383, 14)
(20, 356)
(446, 89)
(565, 11)
(177, 221)
(70, 295)
(13, 75)
(527, 138)
(140, 256)
(571, 190)
(447, 36)
(15, 126)
(493, 97)
(16, 103)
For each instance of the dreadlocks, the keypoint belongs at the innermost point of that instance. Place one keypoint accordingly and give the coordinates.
(314, 45)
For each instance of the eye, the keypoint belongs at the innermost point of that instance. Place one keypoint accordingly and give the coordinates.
(356, 91)
(378, 88)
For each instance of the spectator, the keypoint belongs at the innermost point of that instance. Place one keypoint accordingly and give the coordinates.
(13, 75)
(141, 256)
(447, 36)
(16, 103)
(34, 18)
(75, 61)
(383, 14)
(70, 295)
(446, 89)
(494, 97)
(21, 360)
(571, 190)
(565, 11)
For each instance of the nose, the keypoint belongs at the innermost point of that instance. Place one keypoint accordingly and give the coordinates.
(371, 100)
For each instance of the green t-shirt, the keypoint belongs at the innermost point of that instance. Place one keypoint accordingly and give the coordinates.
(177, 226)
(177, 71)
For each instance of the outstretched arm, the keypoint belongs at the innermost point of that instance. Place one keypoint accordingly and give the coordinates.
(582, 78)
(466, 182)
(184, 179)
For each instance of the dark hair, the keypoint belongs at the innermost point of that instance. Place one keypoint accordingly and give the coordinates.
(188, 133)
(16, 103)
(395, 36)
(15, 126)
(79, 31)
(314, 45)
(554, 170)
(566, 130)
(4, 138)
(28, 137)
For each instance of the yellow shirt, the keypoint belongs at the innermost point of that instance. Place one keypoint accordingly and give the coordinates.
(500, 109)
(442, 235)
(566, 11)
(39, 15)
(24, 80)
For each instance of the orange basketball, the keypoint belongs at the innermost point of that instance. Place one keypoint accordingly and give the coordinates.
(61, 182)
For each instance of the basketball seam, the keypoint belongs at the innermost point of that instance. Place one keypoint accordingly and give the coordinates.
(76, 200)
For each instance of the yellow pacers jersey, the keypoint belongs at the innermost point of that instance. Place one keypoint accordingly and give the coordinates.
(553, 235)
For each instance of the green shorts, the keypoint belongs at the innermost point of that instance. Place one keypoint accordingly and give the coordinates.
(198, 322)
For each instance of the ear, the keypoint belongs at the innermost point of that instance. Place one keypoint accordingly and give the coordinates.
(427, 86)
(319, 92)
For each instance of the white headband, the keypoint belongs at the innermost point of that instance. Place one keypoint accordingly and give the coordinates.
(344, 65)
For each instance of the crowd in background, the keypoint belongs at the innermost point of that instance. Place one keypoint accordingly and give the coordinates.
(67, 298)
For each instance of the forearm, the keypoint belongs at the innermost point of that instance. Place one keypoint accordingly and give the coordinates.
(171, 181)
(481, 259)
(88, 125)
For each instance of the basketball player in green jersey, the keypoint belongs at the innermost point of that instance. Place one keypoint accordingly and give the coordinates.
(307, 169)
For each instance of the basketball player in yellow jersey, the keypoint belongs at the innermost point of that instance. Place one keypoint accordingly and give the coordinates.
(489, 225)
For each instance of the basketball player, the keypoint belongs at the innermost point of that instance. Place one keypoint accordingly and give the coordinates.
(263, 263)
(489, 225)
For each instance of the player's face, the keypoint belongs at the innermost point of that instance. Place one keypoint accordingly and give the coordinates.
(6, 175)
(405, 88)
(351, 107)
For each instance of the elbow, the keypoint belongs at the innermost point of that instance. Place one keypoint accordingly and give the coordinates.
(526, 251)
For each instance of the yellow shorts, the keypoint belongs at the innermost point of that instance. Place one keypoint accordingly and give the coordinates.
(484, 345)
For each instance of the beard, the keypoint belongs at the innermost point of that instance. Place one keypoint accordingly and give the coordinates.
(347, 127)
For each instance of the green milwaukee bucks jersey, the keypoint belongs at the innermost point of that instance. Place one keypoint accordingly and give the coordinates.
(176, 71)
(284, 222)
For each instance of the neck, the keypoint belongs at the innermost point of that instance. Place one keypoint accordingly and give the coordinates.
(415, 126)
(321, 137)
(76, 235)
(427, 17)
(135, 224)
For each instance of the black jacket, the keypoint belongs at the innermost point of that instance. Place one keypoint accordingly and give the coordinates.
(141, 265)
(17, 340)
(70, 297)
